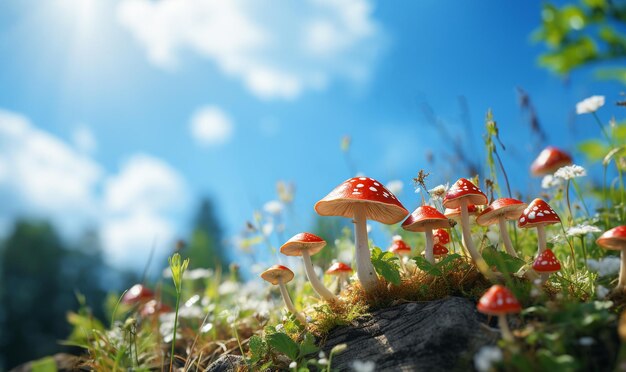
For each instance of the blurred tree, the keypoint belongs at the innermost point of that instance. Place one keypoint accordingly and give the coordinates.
(206, 248)
(585, 33)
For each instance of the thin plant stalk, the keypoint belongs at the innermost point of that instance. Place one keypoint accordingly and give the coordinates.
(579, 196)
(175, 328)
(569, 207)
(606, 135)
(582, 242)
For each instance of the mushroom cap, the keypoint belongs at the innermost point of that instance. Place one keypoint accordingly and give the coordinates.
(498, 300)
(439, 250)
(549, 160)
(613, 239)
(509, 208)
(546, 262)
(425, 218)
(538, 213)
(154, 307)
(455, 213)
(441, 236)
(137, 294)
(463, 189)
(339, 268)
(379, 203)
(302, 242)
(398, 246)
(277, 272)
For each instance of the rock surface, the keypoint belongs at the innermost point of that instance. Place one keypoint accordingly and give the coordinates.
(227, 363)
(440, 335)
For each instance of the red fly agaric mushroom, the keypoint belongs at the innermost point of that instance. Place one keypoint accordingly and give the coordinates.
(362, 198)
(460, 195)
(280, 275)
(616, 239)
(340, 270)
(439, 251)
(499, 212)
(498, 300)
(401, 249)
(305, 245)
(137, 294)
(549, 160)
(455, 213)
(538, 214)
(425, 219)
(441, 236)
(154, 307)
(545, 264)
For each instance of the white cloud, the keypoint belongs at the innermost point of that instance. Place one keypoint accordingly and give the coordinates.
(44, 177)
(211, 126)
(275, 52)
(84, 139)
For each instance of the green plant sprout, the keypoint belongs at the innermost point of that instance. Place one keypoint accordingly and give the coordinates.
(178, 269)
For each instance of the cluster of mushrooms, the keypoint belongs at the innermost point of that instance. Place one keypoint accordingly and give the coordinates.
(364, 198)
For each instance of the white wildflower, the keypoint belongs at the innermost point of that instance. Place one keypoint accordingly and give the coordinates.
(197, 274)
(273, 207)
(438, 192)
(279, 328)
(321, 354)
(361, 366)
(557, 239)
(395, 186)
(609, 265)
(486, 356)
(293, 365)
(586, 341)
(601, 292)
(589, 105)
(228, 287)
(395, 238)
(581, 230)
(493, 235)
(192, 300)
(549, 181)
(570, 171)
(267, 228)
(323, 361)
(206, 328)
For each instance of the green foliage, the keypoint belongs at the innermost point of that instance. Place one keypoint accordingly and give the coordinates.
(178, 268)
(386, 265)
(263, 350)
(502, 261)
(205, 248)
(440, 268)
(47, 364)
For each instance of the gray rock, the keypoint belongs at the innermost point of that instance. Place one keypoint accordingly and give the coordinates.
(440, 335)
(227, 363)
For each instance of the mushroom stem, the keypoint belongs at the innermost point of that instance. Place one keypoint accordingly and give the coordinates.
(469, 243)
(364, 268)
(429, 246)
(288, 303)
(621, 284)
(504, 233)
(504, 328)
(317, 285)
(541, 239)
(544, 278)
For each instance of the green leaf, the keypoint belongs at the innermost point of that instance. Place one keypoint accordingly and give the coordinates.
(47, 364)
(504, 262)
(308, 345)
(386, 266)
(426, 266)
(258, 348)
(284, 344)
(448, 262)
(593, 149)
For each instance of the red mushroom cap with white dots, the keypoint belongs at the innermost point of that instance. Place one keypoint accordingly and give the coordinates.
(463, 189)
(302, 241)
(425, 218)
(277, 272)
(613, 239)
(546, 263)
(441, 236)
(439, 250)
(455, 213)
(339, 268)
(398, 246)
(380, 204)
(510, 209)
(549, 160)
(498, 300)
(538, 213)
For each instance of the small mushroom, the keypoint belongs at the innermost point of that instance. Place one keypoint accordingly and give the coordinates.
(498, 300)
(305, 245)
(439, 251)
(280, 275)
(499, 212)
(441, 236)
(545, 264)
(460, 195)
(616, 239)
(549, 160)
(137, 294)
(425, 219)
(362, 198)
(340, 270)
(538, 214)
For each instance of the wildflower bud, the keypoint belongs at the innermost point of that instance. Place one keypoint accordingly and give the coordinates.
(339, 348)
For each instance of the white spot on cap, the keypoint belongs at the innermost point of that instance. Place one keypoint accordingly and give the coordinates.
(362, 178)
(531, 215)
(523, 219)
(540, 214)
(373, 188)
(356, 193)
(376, 184)
(360, 185)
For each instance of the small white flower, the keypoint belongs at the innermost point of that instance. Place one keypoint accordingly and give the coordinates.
(323, 361)
(395, 186)
(273, 207)
(228, 287)
(197, 274)
(361, 366)
(322, 355)
(586, 341)
(395, 238)
(279, 328)
(609, 265)
(570, 171)
(601, 292)
(486, 356)
(557, 239)
(589, 105)
(267, 228)
(549, 181)
(438, 192)
(493, 235)
(293, 365)
(581, 230)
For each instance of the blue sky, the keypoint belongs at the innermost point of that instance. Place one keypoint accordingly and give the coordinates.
(120, 114)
